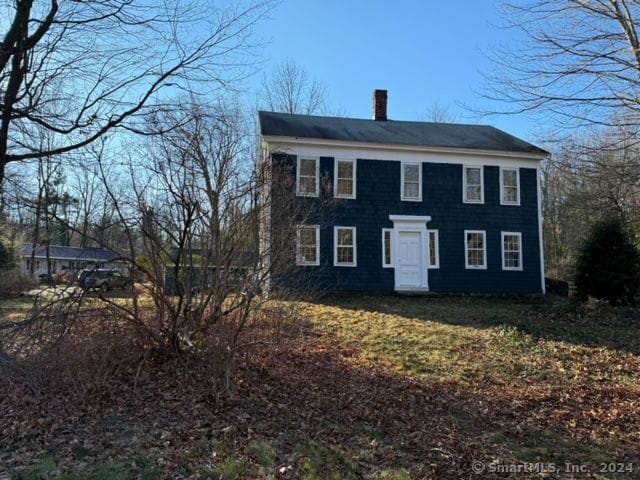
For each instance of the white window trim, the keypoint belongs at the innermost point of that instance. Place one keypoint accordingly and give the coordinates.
(502, 201)
(402, 195)
(335, 177)
(335, 247)
(299, 261)
(437, 242)
(317, 160)
(466, 250)
(385, 230)
(464, 184)
(516, 234)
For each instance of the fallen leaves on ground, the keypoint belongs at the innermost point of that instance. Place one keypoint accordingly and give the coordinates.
(327, 405)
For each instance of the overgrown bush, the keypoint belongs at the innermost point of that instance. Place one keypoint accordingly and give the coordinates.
(7, 258)
(13, 282)
(608, 265)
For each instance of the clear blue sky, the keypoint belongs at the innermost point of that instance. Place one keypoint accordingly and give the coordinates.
(421, 51)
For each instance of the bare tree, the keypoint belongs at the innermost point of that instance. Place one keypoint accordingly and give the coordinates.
(584, 181)
(76, 71)
(190, 216)
(85, 184)
(438, 112)
(290, 89)
(14, 215)
(579, 60)
(578, 64)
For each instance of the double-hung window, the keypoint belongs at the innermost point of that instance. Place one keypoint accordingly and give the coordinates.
(344, 183)
(475, 247)
(511, 251)
(344, 253)
(307, 178)
(473, 185)
(308, 245)
(509, 186)
(411, 182)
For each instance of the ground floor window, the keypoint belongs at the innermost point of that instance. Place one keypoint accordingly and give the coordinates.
(344, 254)
(345, 248)
(308, 245)
(511, 251)
(475, 246)
(434, 249)
(36, 264)
(387, 258)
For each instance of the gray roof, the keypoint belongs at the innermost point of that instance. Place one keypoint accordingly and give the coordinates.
(58, 252)
(393, 132)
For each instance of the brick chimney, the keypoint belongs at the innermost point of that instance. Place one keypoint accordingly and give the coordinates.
(380, 105)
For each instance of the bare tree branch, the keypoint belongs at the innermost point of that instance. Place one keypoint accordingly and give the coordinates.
(579, 61)
(79, 70)
(291, 90)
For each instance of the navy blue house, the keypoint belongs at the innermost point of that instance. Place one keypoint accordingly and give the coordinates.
(417, 206)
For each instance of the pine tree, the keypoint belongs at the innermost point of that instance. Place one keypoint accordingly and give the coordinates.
(608, 265)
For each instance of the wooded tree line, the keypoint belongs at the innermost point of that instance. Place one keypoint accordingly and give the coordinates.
(583, 182)
(575, 67)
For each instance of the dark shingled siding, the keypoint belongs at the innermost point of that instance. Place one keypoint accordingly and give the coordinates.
(378, 196)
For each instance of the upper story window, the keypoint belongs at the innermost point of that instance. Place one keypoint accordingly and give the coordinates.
(434, 248)
(308, 245)
(473, 185)
(511, 251)
(307, 178)
(475, 246)
(344, 183)
(411, 182)
(344, 254)
(509, 186)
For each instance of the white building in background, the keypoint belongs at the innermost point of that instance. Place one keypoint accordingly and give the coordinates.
(67, 259)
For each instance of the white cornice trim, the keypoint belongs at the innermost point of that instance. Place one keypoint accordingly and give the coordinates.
(410, 218)
(273, 139)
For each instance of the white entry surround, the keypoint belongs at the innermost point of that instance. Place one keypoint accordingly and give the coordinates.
(410, 252)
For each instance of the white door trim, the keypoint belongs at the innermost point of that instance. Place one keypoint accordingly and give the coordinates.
(416, 224)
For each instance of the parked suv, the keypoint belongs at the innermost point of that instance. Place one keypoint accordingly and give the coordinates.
(102, 279)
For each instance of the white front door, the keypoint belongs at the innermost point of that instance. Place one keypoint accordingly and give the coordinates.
(409, 261)
(410, 252)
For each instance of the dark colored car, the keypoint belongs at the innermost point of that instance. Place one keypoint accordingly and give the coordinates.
(102, 279)
(46, 279)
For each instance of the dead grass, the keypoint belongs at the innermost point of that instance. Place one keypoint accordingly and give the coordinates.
(367, 387)
(19, 303)
(471, 340)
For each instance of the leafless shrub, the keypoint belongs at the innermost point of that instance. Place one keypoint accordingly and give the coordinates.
(95, 355)
(190, 216)
(50, 318)
(13, 282)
